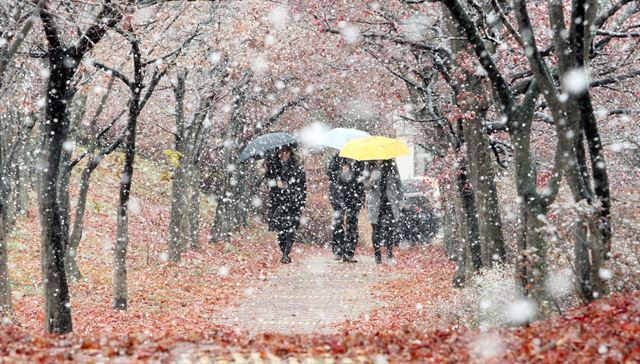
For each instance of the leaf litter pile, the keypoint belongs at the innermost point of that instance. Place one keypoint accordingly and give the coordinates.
(174, 307)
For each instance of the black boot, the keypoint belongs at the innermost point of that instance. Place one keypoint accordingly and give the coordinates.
(285, 259)
(378, 256)
(287, 245)
(347, 259)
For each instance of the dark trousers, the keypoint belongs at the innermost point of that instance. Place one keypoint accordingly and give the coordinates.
(285, 240)
(383, 233)
(345, 231)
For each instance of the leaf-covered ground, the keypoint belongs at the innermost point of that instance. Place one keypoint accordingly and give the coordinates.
(174, 309)
(606, 331)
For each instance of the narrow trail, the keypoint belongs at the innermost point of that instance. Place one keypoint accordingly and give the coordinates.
(309, 296)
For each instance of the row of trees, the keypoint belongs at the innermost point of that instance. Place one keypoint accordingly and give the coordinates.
(93, 76)
(478, 75)
(68, 74)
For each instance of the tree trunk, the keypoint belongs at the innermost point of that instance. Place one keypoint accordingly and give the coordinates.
(78, 221)
(531, 262)
(485, 195)
(469, 255)
(94, 160)
(56, 291)
(471, 214)
(22, 185)
(194, 210)
(6, 307)
(232, 211)
(64, 203)
(222, 226)
(449, 223)
(122, 234)
(179, 196)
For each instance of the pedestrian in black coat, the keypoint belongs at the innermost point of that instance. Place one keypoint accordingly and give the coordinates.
(346, 193)
(287, 197)
(383, 205)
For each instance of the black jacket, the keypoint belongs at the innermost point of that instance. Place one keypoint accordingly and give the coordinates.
(286, 204)
(345, 190)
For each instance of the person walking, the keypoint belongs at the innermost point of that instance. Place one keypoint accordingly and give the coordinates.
(287, 197)
(383, 205)
(346, 193)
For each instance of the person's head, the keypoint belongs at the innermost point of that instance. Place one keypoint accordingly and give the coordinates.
(285, 153)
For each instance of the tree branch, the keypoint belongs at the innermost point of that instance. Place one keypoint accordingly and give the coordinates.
(602, 18)
(167, 130)
(110, 125)
(106, 18)
(50, 28)
(155, 79)
(395, 73)
(507, 23)
(13, 49)
(111, 147)
(618, 34)
(115, 73)
(614, 79)
(176, 51)
(482, 53)
(276, 115)
(72, 163)
(538, 66)
(435, 120)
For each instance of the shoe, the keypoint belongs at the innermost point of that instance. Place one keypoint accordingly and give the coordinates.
(378, 258)
(346, 259)
(285, 259)
(337, 257)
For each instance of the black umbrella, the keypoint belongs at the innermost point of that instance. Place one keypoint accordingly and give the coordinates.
(263, 144)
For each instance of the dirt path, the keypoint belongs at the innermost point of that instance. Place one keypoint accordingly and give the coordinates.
(308, 296)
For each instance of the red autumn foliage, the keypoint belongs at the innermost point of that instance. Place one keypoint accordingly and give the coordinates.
(605, 331)
(175, 308)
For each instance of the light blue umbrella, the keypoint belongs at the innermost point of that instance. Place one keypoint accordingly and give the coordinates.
(336, 138)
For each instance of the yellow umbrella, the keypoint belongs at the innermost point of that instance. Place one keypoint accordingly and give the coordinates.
(374, 148)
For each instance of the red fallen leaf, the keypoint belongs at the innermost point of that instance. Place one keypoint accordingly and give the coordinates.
(89, 345)
(337, 347)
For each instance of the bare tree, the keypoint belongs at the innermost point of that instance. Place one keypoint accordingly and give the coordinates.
(12, 147)
(98, 148)
(63, 64)
(140, 94)
(190, 135)
(574, 122)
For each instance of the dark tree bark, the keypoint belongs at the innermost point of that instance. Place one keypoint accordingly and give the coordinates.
(120, 292)
(139, 96)
(575, 120)
(63, 64)
(57, 307)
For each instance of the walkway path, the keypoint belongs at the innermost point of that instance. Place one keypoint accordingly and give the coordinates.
(309, 296)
